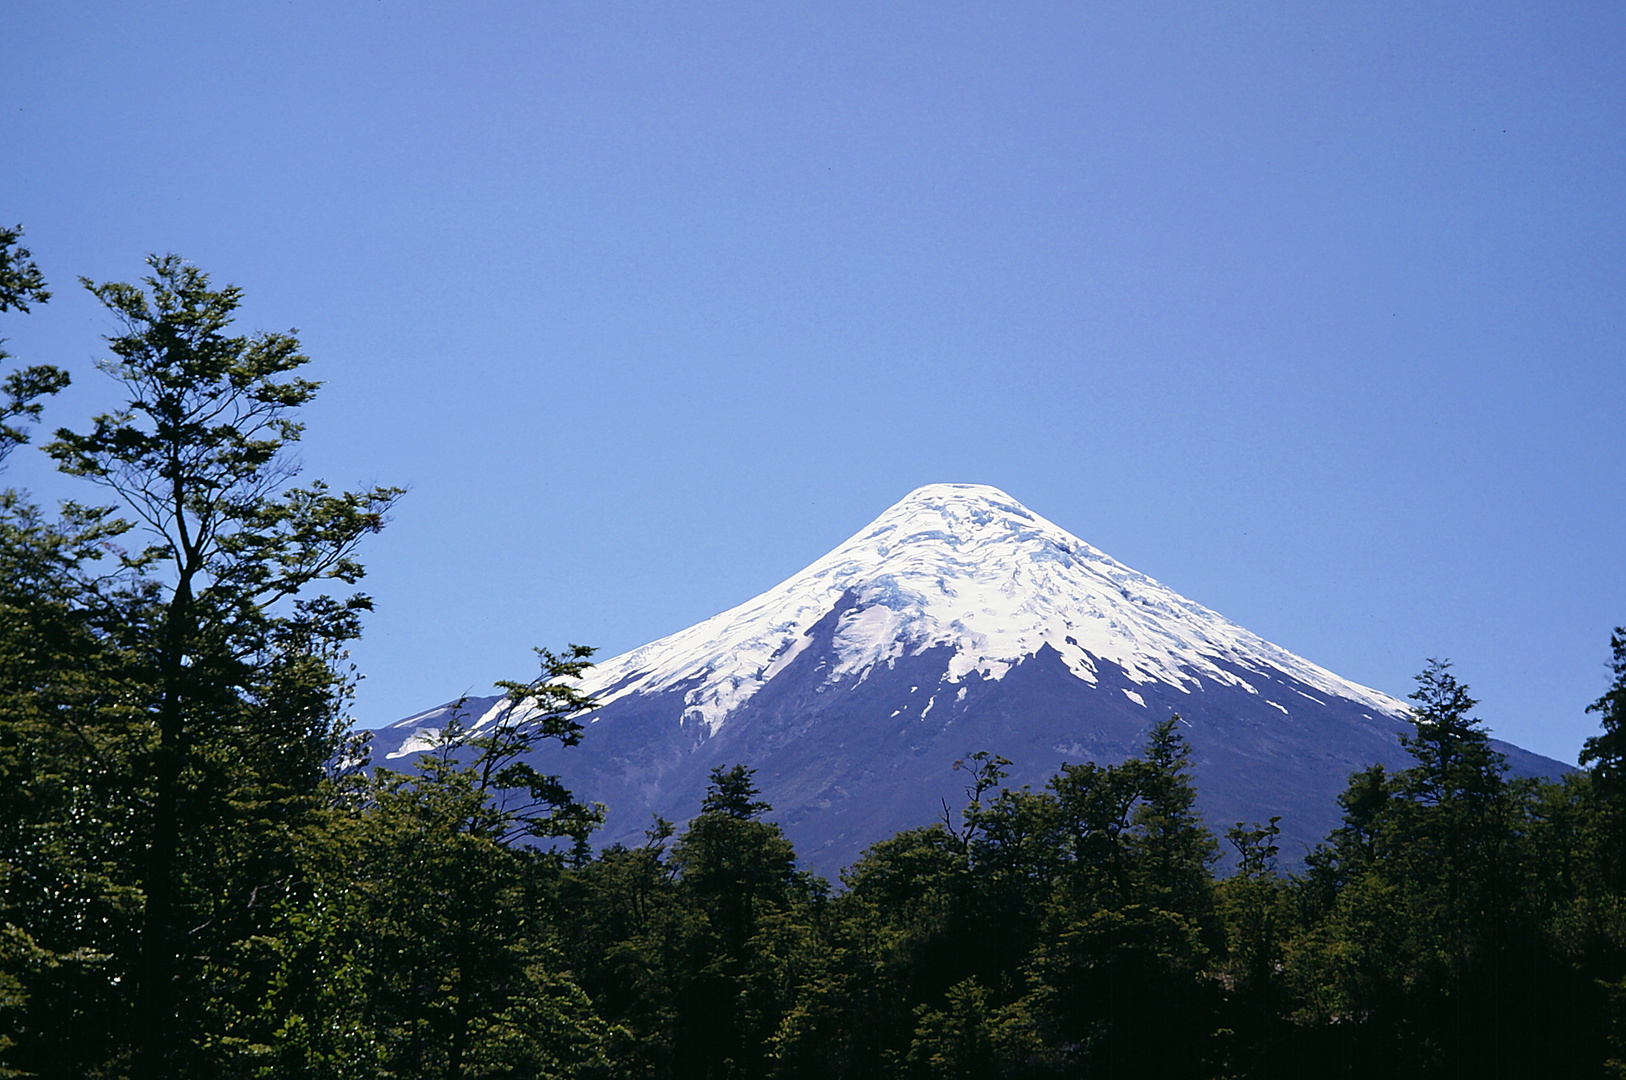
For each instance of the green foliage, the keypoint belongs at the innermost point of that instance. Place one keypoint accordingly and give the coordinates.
(22, 391)
(1430, 916)
(732, 795)
(1043, 932)
(967, 1039)
(21, 282)
(63, 748)
(463, 977)
(1256, 908)
(68, 735)
(1606, 753)
(1259, 920)
(169, 715)
(1455, 762)
(1133, 922)
(738, 875)
(201, 875)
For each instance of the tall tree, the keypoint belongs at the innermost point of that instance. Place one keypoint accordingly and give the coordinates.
(739, 873)
(240, 669)
(1455, 761)
(1174, 851)
(1258, 921)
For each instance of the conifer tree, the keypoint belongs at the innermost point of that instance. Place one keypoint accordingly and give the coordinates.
(1174, 851)
(739, 875)
(1606, 752)
(1455, 761)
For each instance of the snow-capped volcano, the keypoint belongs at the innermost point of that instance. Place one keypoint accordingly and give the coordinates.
(958, 620)
(967, 567)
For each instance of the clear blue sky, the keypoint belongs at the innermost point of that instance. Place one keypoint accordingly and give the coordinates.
(1312, 312)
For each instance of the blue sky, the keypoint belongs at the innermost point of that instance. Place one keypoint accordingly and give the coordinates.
(1312, 312)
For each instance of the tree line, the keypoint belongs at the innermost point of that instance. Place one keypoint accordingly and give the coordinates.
(202, 876)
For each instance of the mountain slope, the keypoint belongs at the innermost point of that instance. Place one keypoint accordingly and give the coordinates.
(959, 620)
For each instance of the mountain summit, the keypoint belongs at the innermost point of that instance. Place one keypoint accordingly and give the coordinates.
(957, 621)
(968, 568)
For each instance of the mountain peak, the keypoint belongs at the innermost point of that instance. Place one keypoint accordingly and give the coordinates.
(954, 515)
(938, 495)
(967, 567)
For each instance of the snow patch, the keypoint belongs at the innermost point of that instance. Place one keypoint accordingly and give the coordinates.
(421, 740)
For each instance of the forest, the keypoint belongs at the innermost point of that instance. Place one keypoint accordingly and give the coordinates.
(202, 874)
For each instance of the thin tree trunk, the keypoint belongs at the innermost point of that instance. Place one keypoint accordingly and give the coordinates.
(155, 975)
